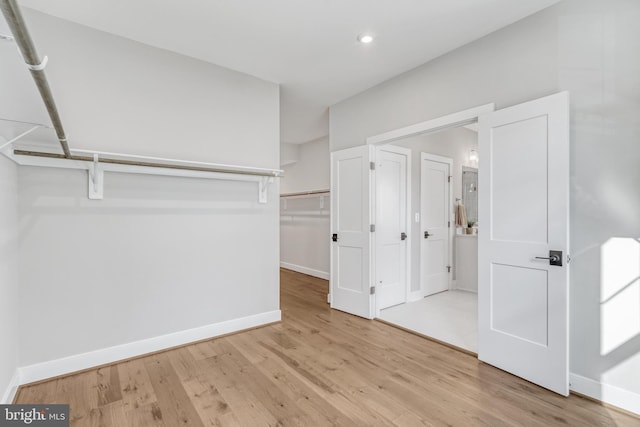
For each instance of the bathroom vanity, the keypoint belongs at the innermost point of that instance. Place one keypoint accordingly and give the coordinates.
(467, 262)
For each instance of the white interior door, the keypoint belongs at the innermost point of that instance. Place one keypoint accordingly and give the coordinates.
(391, 235)
(350, 220)
(523, 215)
(435, 223)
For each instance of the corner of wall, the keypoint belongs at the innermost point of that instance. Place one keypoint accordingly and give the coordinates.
(12, 389)
(8, 279)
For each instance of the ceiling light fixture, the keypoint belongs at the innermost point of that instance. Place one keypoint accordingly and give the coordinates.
(365, 38)
(473, 157)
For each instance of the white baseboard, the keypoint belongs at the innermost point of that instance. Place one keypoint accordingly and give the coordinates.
(606, 393)
(304, 270)
(415, 296)
(11, 390)
(78, 362)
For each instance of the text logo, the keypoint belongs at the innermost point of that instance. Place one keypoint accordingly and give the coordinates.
(34, 415)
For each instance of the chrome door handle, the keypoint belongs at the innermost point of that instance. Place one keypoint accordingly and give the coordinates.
(403, 236)
(555, 258)
(426, 234)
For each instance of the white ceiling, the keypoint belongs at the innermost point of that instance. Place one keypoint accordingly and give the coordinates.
(307, 46)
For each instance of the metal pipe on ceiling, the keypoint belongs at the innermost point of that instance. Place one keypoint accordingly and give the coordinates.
(13, 16)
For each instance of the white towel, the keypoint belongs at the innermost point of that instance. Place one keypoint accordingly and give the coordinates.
(461, 216)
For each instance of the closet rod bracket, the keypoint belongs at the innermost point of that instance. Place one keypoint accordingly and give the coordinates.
(263, 188)
(96, 179)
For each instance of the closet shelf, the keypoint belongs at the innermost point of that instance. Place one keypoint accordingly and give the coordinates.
(302, 204)
(305, 213)
(96, 163)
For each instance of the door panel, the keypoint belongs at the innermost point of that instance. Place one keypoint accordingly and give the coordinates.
(351, 177)
(391, 221)
(521, 310)
(350, 219)
(435, 202)
(349, 275)
(524, 201)
(523, 214)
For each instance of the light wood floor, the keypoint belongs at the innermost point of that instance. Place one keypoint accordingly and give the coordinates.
(318, 367)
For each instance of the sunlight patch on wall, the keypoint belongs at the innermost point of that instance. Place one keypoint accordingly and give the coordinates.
(619, 292)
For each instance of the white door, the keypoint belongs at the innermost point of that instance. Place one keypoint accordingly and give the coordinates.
(435, 223)
(350, 221)
(391, 233)
(523, 215)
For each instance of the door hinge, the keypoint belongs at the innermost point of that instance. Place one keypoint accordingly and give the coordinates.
(372, 228)
(449, 178)
(448, 269)
(372, 290)
(568, 258)
(372, 166)
(448, 224)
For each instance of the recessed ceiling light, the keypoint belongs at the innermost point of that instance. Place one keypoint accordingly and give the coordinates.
(365, 38)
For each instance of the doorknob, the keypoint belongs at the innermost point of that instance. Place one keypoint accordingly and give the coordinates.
(555, 258)
(403, 236)
(334, 237)
(426, 234)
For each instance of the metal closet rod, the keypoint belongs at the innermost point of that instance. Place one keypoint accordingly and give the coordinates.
(18, 27)
(154, 164)
(305, 193)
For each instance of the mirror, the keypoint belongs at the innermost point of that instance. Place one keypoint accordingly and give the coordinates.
(470, 192)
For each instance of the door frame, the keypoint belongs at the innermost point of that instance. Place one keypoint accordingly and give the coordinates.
(409, 242)
(457, 119)
(449, 161)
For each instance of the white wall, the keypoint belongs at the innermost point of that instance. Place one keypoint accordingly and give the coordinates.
(311, 169)
(115, 94)
(304, 239)
(8, 274)
(159, 254)
(20, 99)
(589, 47)
(289, 153)
(453, 143)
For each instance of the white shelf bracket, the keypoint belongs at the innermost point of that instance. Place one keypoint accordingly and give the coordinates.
(96, 179)
(263, 188)
(22, 135)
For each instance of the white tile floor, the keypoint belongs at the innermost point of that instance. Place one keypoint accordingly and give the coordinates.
(450, 316)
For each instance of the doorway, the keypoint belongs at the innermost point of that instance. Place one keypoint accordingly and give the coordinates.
(523, 277)
(392, 227)
(437, 307)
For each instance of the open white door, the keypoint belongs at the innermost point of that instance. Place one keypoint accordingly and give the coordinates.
(392, 233)
(523, 219)
(350, 227)
(435, 202)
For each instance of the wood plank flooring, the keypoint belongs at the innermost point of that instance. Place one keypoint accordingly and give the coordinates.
(317, 367)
